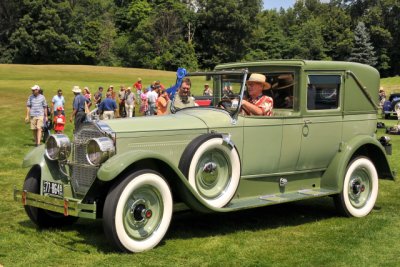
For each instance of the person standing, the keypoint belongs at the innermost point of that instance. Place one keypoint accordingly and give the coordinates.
(138, 86)
(152, 98)
(121, 102)
(98, 96)
(36, 113)
(78, 113)
(162, 103)
(88, 96)
(108, 107)
(58, 101)
(130, 102)
(59, 121)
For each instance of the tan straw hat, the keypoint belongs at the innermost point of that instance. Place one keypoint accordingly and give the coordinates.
(259, 78)
(76, 89)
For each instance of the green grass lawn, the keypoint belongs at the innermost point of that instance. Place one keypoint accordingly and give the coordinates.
(306, 233)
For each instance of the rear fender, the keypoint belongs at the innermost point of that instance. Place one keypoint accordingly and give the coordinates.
(361, 145)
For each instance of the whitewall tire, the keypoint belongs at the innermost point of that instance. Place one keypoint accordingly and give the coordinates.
(138, 211)
(360, 188)
(213, 169)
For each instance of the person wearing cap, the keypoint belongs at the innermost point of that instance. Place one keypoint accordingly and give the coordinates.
(78, 105)
(58, 101)
(257, 103)
(59, 121)
(36, 113)
(138, 85)
(129, 102)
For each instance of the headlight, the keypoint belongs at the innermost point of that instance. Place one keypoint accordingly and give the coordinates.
(58, 147)
(99, 150)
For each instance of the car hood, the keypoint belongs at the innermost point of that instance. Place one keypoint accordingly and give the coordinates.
(188, 119)
(172, 122)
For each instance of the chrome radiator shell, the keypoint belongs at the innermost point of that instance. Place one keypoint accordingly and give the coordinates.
(82, 173)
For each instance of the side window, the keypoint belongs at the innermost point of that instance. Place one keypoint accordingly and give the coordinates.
(323, 92)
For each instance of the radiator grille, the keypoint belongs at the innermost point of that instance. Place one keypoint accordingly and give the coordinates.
(82, 173)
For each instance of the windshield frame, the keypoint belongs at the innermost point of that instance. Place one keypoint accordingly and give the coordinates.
(242, 72)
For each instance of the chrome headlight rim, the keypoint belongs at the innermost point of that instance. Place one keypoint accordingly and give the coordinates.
(98, 150)
(58, 147)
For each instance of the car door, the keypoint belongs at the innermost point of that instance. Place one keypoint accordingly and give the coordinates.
(321, 129)
(261, 145)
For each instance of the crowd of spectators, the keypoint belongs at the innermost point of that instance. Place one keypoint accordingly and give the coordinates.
(148, 101)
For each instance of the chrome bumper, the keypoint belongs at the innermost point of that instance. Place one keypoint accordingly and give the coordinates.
(68, 207)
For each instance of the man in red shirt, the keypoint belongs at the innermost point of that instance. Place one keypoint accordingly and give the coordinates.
(257, 103)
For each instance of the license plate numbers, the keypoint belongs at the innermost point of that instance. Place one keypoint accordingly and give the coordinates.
(53, 188)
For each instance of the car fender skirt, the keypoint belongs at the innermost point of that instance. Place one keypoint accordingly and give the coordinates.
(361, 145)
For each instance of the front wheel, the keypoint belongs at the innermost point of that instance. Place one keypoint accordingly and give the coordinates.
(360, 189)
(138, 211)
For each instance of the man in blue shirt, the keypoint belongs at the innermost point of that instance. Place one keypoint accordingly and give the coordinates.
(78, 108)
(36, 113)
(108, 107)
(58, 101)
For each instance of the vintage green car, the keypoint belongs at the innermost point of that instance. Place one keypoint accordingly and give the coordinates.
(134, 173)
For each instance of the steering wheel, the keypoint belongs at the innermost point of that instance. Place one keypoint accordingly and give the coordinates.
(225, 103)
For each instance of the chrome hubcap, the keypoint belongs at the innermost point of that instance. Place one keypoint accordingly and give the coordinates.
(359, 188)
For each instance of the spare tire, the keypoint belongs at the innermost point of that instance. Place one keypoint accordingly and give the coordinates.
(212, 167)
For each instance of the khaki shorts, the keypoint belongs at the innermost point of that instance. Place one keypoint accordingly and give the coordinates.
(36, 122)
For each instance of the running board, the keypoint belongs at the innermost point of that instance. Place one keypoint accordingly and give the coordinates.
(301, 194)
(273, 199)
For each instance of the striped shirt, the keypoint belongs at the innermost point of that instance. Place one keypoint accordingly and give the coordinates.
(37, 105)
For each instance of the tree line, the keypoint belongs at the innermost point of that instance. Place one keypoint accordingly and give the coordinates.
(198, 34)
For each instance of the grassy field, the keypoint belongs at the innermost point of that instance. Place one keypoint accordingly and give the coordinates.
(307, 233)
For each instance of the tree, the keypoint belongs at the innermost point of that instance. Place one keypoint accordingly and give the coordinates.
(363, 51)
(267, 40)
(40, 37)
(224, 29)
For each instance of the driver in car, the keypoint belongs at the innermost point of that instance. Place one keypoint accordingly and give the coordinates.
(257, 103)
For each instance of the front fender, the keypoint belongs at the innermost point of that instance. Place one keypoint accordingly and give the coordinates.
(120, 162)
(34, 157)
(361, 145)
(113, 167)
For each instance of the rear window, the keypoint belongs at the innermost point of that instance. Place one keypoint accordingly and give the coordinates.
(323, 92)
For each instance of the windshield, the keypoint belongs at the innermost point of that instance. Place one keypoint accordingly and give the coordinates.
(221, 90)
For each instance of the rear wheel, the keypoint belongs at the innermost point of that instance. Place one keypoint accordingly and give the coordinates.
(41, 217)
(360, 189)
(138, 211)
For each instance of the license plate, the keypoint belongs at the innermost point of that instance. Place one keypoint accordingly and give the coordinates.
(53, 188)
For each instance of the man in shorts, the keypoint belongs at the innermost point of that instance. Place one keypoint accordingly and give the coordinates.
(36, 113)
